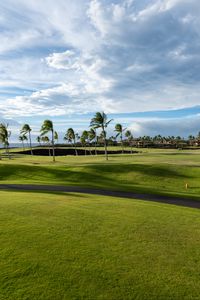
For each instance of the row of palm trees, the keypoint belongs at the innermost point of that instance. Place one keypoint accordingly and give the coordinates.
(99, 121)
(47, 127)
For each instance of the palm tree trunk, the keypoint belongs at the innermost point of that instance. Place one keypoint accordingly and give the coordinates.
(30, 143)
(106, 152)
(95, 147)
(8, 153)
(122, 144)
(0, 155)
(23, 145)
(95, 142)
(90, 149)
(53, 146)
(105, 144)
(9, 156)
(75, 148)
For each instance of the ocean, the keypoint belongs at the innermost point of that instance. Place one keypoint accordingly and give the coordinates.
(19, 145)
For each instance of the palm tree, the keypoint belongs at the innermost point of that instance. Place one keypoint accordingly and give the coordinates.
(23, 138)
(112, 140)
(38, 139)
(119, 129)
(77, 137)
(47, 126)
(71, 136)
(4, 137)
(84, 139)
(26, 129)
(129, 136)
(83, 143)
(100, 121)
(56, 136)
(45, 139)
(67, 138)
(93, 136)
(191, 140)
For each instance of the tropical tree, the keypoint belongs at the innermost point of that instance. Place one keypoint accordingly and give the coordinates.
(4, 137)
(77, 137)
(71, 137)
(146, 140)
(83, 143)
(56, 136)
(38, 139)
(26, 130)
(23, 138)
(112, 140)
(100, 139)
(47, 127)
(129, 137)
(67, 138)
(84, 139)
(191, 137)
(93, 137)
(119, 129)
(100, 120)
(45, 139)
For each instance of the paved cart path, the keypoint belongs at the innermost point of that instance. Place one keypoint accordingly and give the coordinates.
(137, 196)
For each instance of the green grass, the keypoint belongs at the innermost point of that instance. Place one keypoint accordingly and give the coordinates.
(152, 171)
(73, 246)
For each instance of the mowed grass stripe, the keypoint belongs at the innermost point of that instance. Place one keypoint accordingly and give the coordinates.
(74, 246)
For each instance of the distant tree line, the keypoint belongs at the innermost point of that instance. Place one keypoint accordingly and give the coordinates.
(49, 137)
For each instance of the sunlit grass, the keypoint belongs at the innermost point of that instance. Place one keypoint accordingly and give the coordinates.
(73, 246)
(155, 171)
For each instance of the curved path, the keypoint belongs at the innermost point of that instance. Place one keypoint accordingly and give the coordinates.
(137, 196)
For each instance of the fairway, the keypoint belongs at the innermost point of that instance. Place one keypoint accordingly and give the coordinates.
(150, 171)
(75, 246)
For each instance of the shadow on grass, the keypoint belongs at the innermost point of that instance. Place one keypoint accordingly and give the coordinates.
(149, 170)
(193, 187)
(110, 176)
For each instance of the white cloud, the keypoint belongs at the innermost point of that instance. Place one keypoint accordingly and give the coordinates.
(87, 68)
(97, 17)
(10, 122)
(57, 101)
(65, 60)
(83, 56)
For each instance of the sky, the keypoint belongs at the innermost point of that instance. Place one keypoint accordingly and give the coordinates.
(136, 60)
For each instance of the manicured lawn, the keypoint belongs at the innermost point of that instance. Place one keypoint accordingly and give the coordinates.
(74, 246)
(152, 171)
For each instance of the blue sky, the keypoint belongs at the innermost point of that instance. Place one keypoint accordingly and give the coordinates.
(137, 60)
